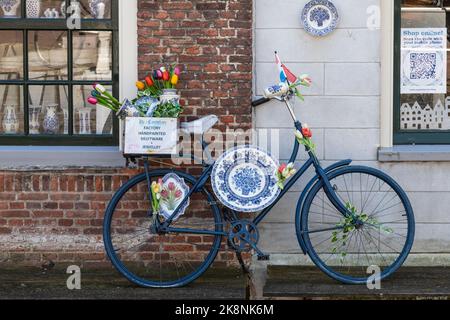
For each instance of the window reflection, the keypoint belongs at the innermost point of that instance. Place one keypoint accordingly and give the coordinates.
(92, 55)
(47, 55)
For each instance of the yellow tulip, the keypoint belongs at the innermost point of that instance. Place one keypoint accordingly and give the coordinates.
(140, 85)
(174, 79)
(155, 187)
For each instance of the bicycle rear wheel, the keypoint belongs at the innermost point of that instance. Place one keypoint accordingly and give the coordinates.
(155, 260)
(380, 231)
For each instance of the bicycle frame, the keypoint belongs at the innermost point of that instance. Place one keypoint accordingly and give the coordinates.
(312, 161)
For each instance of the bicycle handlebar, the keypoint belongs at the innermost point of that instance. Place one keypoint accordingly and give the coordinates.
(260, 102)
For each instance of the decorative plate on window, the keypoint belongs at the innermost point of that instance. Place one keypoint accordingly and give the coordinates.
(243, 179)
(320, 17)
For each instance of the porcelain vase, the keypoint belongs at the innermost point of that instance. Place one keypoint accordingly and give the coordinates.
(97, 8)
(51, 120)
(9, 8)
(85, 120)
(10, 120)
(35, 124)
(170, 96)
(33, 8)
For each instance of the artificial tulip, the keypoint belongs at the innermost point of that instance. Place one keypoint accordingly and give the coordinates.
(306, 132)
(92, 101)
(174, 80)
(306, 79)
(281, 168)
(99, 88)
(149, 81)
(140, 85)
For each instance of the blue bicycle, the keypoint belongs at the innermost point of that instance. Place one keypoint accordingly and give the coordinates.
(348, 218)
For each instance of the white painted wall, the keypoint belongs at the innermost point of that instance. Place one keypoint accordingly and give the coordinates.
(343, 108)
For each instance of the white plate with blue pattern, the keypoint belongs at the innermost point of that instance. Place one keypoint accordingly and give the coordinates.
(320, 17)
(244, 179)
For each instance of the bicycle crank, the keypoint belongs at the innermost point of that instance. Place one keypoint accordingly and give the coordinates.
(244, 236)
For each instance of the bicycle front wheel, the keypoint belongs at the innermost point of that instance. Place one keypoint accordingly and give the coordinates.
(151, 259)
(379, 233)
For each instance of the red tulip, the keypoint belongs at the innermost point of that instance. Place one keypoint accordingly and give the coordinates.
(149, 81)
(307, 133)
(282, 167)
(166, 76)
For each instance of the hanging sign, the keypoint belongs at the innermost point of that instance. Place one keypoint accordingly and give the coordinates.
(151, 136)
(423, 60)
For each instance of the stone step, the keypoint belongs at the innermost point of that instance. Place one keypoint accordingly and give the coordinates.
(306, 283)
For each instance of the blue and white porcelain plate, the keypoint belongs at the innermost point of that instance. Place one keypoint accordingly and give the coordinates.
(243, 179)
(320, 17)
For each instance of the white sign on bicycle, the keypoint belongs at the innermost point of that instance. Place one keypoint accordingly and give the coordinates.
(151, 136)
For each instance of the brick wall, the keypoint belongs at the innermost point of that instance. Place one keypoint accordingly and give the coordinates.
(212, 41)
(57, 215)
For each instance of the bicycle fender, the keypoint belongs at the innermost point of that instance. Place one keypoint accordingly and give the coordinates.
(305, 192)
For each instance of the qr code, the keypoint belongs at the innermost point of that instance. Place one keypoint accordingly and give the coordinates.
(423, 66)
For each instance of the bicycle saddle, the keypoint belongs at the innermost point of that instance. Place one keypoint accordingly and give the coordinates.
(199, 126)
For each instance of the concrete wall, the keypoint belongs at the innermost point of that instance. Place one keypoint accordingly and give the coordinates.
(343, 108)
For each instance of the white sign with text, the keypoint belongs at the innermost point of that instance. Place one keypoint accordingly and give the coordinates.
(151, 136)
(424, 60)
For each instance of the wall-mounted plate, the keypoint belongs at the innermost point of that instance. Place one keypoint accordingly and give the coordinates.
(320, 17)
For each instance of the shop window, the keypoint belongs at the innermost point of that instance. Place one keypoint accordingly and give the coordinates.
(47, 71)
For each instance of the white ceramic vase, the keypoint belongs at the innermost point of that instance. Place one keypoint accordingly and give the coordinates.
(85, 120)
(9, 8)
(10, 120)
(51, 120)
(97, 8)
(35, 124)
(169, 96)
(33, 8)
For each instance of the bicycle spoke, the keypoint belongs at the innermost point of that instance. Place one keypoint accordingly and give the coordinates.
(344, 245)
(162, 259)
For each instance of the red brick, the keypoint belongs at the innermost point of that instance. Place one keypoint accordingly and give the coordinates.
(48, 213)
(14, 213)
(65, 222)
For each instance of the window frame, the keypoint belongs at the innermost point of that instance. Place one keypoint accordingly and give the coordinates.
(408, 137)
(28, 24)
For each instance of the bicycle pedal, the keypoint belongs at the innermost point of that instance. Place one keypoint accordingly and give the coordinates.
(265, 257)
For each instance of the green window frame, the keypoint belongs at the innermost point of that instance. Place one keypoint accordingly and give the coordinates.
(411, 137)
(27, 25)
